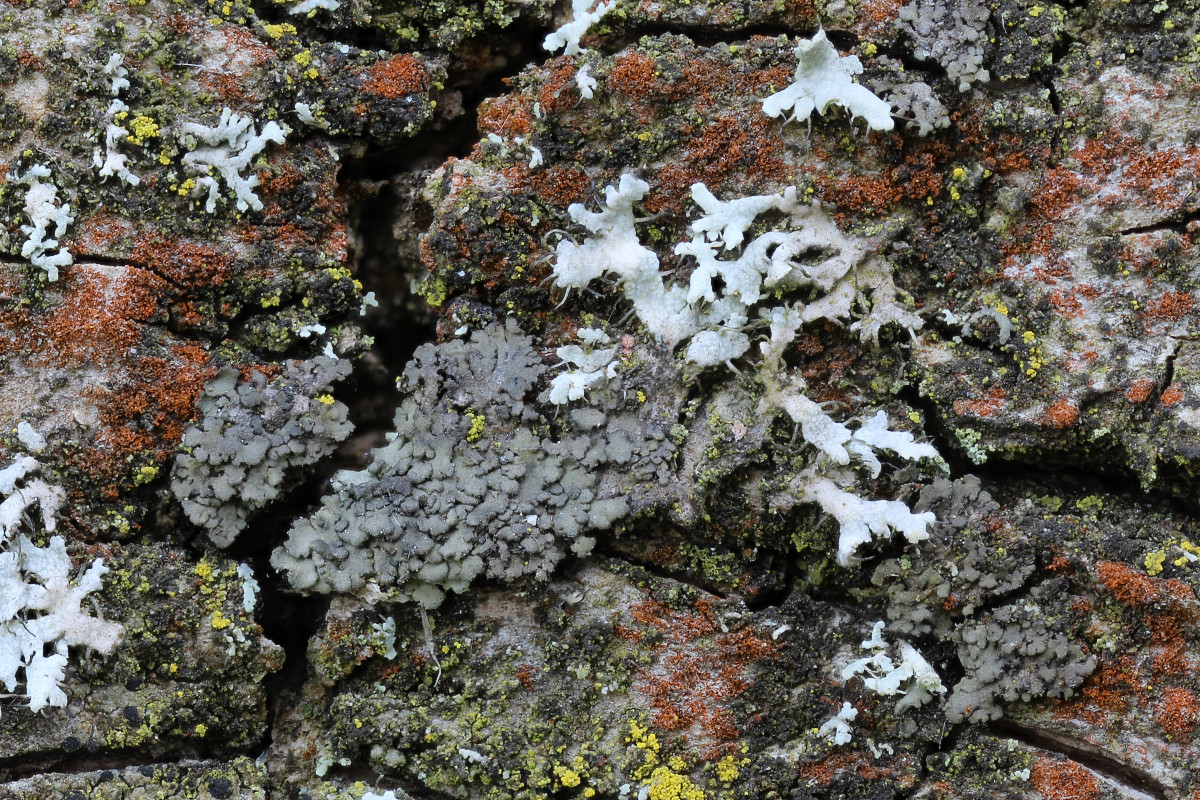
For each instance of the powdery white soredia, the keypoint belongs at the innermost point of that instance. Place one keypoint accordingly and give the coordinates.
(823, 78)
(227, 148)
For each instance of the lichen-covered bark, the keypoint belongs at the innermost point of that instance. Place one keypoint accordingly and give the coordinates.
(571, 552)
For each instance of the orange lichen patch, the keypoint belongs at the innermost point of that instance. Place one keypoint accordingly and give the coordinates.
(1178, 712)
(555, 96)
(1065, 303)
(1037, 245)
(138, 389)
(1061, 563)
(185, 263)
(96, 234)
(919, 177)
(1060, 190)
(279, 183)
(246, 372)
(1139, 391)
(149, 406)
(1171, 395)
(1169, 307)
(701, 76)
(291, 237)
(825, 771)
(739, 145)
(99, 318)
(1063, 780)
(243, 48)
(507, 116)
(698, 669)
(561, 185)
(1135, 589)
(1169, 641)
(226, 85)
(1154, 175)
(180, 24)
(994, 402)
(879, 12)
(1062, 413)
(633, 77)
(33, 61)
(398, 77)
(526, 675)
(1104, 154)
(1108, 690)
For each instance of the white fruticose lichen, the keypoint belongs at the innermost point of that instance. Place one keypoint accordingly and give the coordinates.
(250, 587)
(41, 613)
(824, 78)
(31, 438)
(227, 148)
(711, 315)
(585, 82)
(114, 162)
(837, 728)
(118, 72)
(308, 115)
(311, 6)
(569, 34)
(913, 676)
(592, 364)
(43, 209)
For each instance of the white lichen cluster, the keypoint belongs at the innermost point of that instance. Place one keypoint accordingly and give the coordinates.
(43, 209)
(711, 314)
(824, 78)
(227, 149)
(41, 614)
(912, 677)
(591, 363)
(312, 6)
(837, 727)
(113, 162)
(568, 35)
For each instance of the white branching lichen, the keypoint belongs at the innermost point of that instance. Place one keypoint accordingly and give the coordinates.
(592, 363)
(913, 677)
(711, 315)
(569, 34)
(43, 209)
(228, 148)
(41, 614)
(824, 78)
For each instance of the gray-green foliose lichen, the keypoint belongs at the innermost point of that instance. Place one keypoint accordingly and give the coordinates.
(474, 482)
(252, 438)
